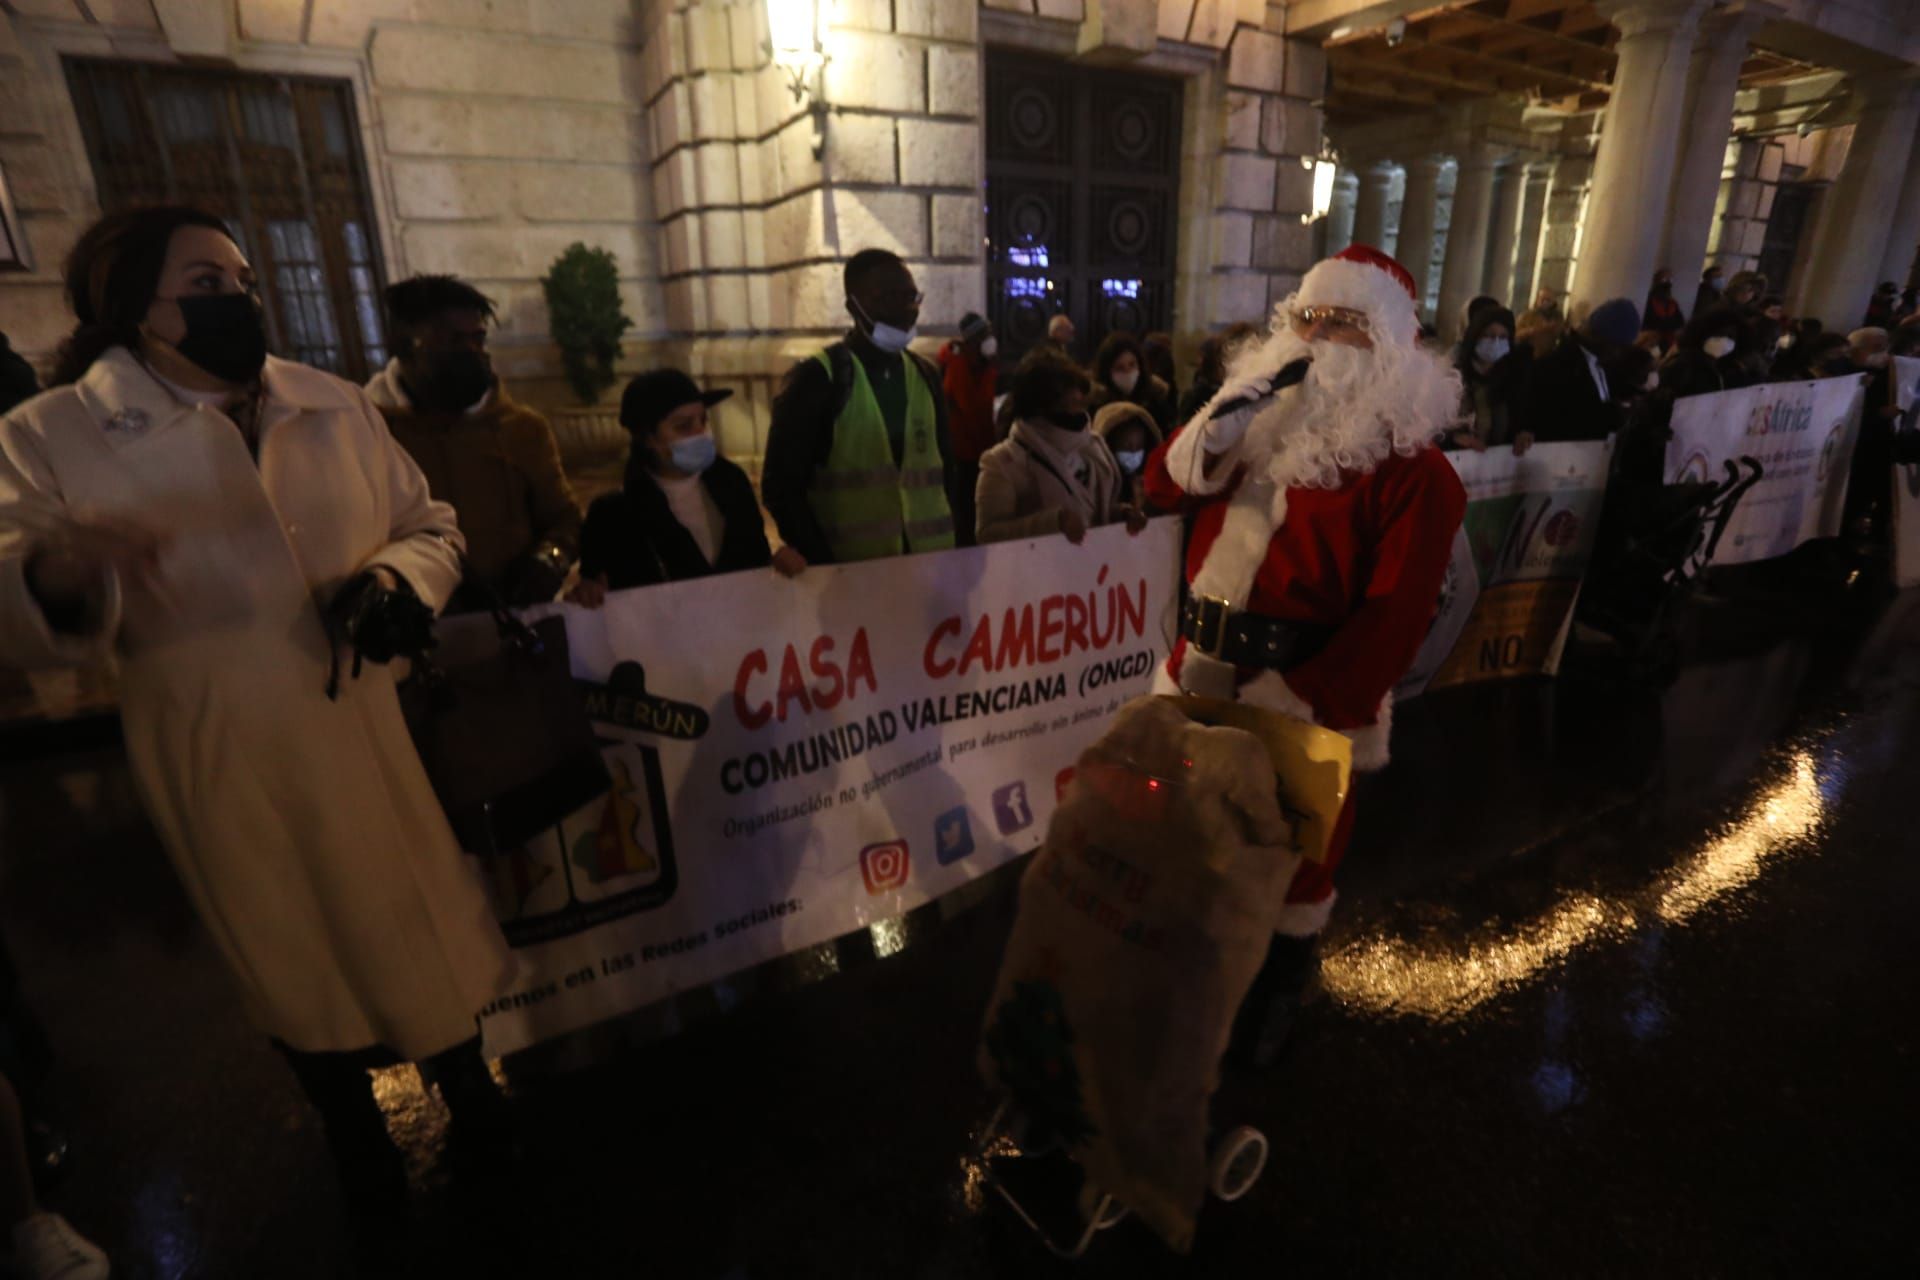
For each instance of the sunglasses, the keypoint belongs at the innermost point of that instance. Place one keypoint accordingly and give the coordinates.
(1335, 317)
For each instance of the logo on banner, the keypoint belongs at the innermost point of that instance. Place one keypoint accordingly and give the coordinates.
(1010, 808)
(952, 836)
(884, 867)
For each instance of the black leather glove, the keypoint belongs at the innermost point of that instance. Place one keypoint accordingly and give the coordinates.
(379, 624)
(538, 576)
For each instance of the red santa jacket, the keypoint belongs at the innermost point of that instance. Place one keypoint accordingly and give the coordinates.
(1368, 558)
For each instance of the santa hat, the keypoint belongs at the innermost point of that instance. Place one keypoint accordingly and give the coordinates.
(1363, 279)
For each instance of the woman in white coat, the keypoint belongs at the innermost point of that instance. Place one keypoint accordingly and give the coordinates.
(191, 505)
(1051, 474)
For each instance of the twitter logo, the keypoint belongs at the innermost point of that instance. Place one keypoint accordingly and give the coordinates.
(952, 836)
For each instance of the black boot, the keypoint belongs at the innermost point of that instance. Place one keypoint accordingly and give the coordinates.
(1265, 1020)
(371, 1170)
(483, 1138)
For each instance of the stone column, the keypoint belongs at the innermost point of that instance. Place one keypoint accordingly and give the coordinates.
(1466, 236)
(1346, 191)
(1370, 207)
(1509, 193)
(1633, 169)
(1418, 210)
(1855, 227)
(1904, 238)
(1705, 123)
(1533, 222)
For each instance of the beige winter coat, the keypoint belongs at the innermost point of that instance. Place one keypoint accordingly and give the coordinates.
(304, 829)
(1027, 479)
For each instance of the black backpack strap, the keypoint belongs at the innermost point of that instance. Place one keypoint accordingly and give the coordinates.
(840, 366)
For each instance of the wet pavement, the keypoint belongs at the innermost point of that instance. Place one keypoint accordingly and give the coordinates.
(1622, 981)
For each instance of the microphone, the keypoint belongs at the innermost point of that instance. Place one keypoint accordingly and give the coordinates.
(1287, 377)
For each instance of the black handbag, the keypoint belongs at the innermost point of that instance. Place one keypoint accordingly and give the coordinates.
(502, 729)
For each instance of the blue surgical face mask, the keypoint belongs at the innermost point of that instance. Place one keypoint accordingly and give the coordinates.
(1491, 350)
(695, 454)
(1130, 460)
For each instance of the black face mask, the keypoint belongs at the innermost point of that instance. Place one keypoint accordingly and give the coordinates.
(226, 335)
(453, 380)
(1070, 421)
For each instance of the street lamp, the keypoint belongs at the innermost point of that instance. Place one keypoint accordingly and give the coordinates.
(1324, 170)
(794, 42)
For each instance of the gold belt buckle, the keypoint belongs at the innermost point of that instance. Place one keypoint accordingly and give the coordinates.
(1220, 609)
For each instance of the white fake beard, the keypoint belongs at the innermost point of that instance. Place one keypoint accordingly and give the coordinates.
(1355, 407)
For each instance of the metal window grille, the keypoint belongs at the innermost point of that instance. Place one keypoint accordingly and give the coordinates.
(278, 158)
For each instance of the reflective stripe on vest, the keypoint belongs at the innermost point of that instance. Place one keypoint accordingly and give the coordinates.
(868, 505)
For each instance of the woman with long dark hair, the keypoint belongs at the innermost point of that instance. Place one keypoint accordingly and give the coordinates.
(201, 510)
(1120, 374)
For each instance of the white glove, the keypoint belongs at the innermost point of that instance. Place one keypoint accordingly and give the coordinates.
(1220, 434)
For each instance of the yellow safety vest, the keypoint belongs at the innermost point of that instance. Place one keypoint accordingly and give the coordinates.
(869, 506)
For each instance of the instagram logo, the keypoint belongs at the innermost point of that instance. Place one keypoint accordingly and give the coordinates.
(884, 866)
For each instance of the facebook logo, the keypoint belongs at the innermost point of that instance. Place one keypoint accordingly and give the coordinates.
(952, 836)
(1010, 808)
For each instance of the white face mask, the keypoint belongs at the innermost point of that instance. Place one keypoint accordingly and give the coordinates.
(1878, 360)
(1718, 347)
(1491, 350)
(884, 336)
(1785, 342)
(1653, 381)
(1130, 460)
(1125, 382)
(990, 348)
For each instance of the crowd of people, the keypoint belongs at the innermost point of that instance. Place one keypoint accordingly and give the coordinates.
(226, 522)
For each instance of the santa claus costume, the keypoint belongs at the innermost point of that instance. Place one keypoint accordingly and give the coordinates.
(1323, 522)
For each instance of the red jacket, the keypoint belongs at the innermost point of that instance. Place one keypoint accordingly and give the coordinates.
(970, 390)
(1368, 558)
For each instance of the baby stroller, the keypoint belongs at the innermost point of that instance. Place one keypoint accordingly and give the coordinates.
(1651, 565)
(1142, 922)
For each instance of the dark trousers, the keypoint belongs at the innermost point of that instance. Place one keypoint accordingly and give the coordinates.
(340, 1087)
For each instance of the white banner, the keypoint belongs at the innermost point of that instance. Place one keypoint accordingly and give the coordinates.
(1801, 434)
(1906, 480)
(1517, 564)
(808, 757)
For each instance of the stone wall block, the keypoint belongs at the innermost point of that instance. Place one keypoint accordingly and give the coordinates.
(746, 103)
(1293, 190)
(1246, 182)
(953, 21)
(587, 20)
(1755, 239)
(1243, 121)
(757, 184)
(709, 39)
(753, 237)
(1234, 297)
(1280, 286)
(1306, 76)
(956, 227)
(760, 292)
(345, 26)
(747, 25)
(1281, 242)
(474, 15)
(935, 153)
(578, 193)
(915, 17)
(712, 101)
(1289, 127)
(718, 167)
(877, 71)
(895, 220)
(272, 21)
(1062, 10)
(671, 119)
(681, 241)
(1257, 60)
(951, 291)
(727, 302)
(1232, 240)
(861, 15)
(798, 167)
(34, 180)
(863, 148)
(450, 190)
(816, 298)
(954, 81)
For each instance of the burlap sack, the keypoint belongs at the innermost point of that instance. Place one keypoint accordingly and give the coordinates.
(1142, 922)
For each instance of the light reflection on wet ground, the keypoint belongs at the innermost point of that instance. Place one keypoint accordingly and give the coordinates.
(1447, 977)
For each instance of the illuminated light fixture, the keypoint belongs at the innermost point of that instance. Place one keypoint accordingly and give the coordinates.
(1324, 171)
(795, 45)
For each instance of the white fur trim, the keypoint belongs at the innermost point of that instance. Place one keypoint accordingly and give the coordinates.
(1246, 534)
(1187, 461)
(1336, 282)
(1371, 743)
(1305, 919)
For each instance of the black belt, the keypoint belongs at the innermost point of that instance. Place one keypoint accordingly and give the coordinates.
(1249, 639)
